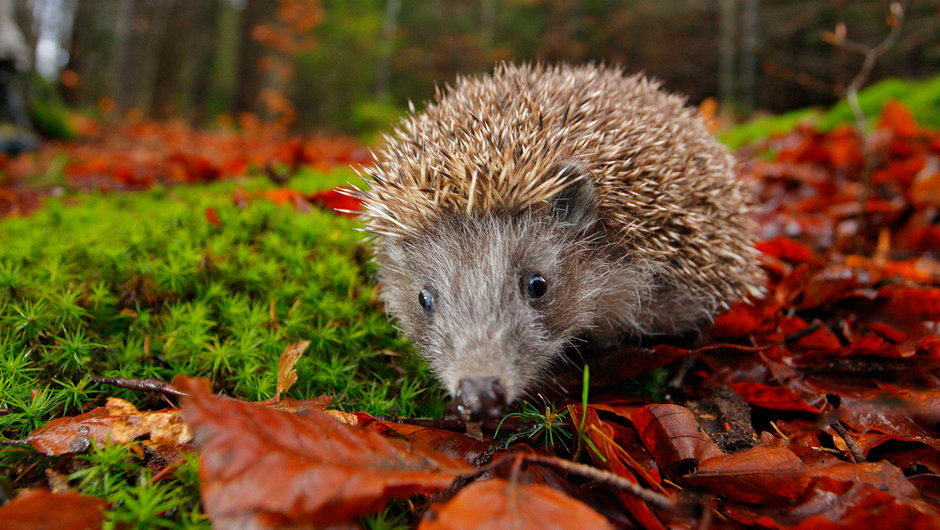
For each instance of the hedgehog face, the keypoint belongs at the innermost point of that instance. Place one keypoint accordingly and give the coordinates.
(491, 300)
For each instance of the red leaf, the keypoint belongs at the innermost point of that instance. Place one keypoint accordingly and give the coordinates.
(916, 303)
(260, 466)
(338, 200)
(896, 118)
(839, 506)
(883, 475)
(617, 460)
(212, 217)
(282, 196)
(41, 509)
(497, 503)
(758, 475)
(745, 319)
(788, 250)
(772, 397)
(674, 437)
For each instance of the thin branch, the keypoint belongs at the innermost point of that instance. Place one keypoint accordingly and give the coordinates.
(897, 11)
(140, 385)
(872, 54)
(849, 442)
(660, 502)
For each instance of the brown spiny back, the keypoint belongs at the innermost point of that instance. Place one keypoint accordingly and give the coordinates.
(667, 191)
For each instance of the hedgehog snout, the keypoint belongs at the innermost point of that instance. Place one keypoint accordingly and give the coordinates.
(480, 398)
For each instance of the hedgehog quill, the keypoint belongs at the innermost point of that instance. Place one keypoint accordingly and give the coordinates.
(541, 207)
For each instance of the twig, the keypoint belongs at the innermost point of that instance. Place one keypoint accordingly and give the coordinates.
(660, 502)
(14, 442)
(140, 385)
(872, 53)
(849, 442)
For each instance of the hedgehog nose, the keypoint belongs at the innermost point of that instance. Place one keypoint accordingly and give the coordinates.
(480, 398)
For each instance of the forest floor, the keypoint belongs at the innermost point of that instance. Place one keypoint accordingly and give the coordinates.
(294, 401)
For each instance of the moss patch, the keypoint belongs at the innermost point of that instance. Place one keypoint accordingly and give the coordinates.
(144, 285)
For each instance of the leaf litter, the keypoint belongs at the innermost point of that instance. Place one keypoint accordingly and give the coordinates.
(834, 374)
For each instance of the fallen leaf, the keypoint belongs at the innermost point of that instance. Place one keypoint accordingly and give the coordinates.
(117, 422)
(672, 434)
(262, 467)
(212, 217)
(42, 510)
(498, 503)
(758, 475)
(772, 397)
(453, 444)
(882, 475)
(617, 460)
(286, 375)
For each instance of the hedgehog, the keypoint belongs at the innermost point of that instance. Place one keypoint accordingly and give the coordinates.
(541, 208)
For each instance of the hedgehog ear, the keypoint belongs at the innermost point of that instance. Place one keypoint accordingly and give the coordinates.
(576, 204)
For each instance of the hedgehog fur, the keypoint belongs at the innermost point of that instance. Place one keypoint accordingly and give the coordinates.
(613, 186)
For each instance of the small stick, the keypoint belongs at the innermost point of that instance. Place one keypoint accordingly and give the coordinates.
(849, 442)
(448, 425)
(140, 385)
(652, 498)
(14, 442)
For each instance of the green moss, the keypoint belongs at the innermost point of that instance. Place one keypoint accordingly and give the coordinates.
(142, 285)
(922, 98)
(760, 128)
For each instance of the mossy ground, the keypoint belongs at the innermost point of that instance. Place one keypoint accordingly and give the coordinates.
(138, 285)
(922, 98)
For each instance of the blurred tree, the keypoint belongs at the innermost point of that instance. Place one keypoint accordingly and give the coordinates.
(174, 59)
(141, 25)
(250, 80)
(389, 31)
(91, 51)
(204, 46)
(179, 57)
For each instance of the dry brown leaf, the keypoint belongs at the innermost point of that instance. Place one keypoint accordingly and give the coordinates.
(117, 422)
(758, 475)
(286, 375)
(41, 509)
(498, 504)
(672, 434)
(264, 467)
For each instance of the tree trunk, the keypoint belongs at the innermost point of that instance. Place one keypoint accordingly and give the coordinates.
(140, 23)
(749, 29)
(727, 54)
(204, 52)
(384, 67)
(250, 78)
(91, 51)
(173, 55)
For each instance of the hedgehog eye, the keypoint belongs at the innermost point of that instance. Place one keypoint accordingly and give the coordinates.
(536, 285)
(426, 300)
